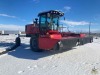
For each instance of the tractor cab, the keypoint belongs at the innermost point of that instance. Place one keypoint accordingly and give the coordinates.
(49, 20)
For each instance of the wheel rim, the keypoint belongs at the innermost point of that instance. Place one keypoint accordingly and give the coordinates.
(34, 43)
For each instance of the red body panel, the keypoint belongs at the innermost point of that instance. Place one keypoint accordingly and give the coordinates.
(47, 43)
(55, 36)
(31, 29)
(53, 32)
(82, 35)
(68, 34)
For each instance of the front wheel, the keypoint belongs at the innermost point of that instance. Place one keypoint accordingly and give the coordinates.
(34, 44)
(58, 46)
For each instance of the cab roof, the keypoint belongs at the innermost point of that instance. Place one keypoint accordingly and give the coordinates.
(55, 12)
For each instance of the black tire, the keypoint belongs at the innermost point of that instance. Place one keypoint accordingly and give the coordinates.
(81, 41)
(78, 42)
(56, 47)
(18, 41)
(34, 44)
(91, 39)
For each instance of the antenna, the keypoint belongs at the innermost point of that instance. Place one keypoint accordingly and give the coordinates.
(64, 18)
(62, 27)
(68, 28)
(89, 28)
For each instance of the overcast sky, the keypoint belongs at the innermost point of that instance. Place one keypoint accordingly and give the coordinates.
(15, 14)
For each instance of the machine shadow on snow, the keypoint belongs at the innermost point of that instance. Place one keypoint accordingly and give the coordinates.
(4, 44)
(25, 52)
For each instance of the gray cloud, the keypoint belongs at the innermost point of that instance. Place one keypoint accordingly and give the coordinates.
(6, 15)
(74, 23)
(36, 1)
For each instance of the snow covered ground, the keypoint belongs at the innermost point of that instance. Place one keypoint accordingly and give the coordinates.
(81, 60)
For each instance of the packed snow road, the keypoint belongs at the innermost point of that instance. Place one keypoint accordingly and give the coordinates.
(80, 60)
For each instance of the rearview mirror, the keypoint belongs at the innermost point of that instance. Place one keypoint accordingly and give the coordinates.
(53, 21)
(64, 18)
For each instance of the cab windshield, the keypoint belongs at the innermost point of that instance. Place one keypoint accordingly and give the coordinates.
(49, 22)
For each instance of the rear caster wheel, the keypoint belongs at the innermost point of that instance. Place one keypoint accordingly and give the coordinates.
(91, 39)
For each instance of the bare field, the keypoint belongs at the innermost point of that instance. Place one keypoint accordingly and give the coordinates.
(80, 60)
